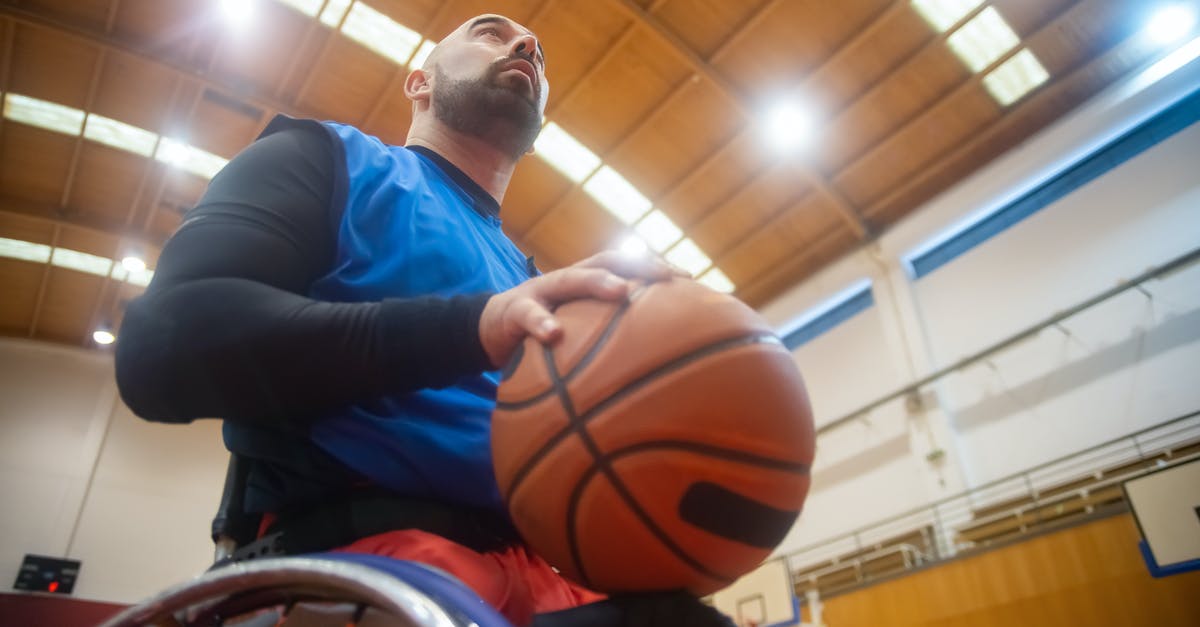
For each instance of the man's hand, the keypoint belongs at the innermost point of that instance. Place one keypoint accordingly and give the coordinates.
(527, 309)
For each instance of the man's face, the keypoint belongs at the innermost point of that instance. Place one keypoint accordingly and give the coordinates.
(489, 80)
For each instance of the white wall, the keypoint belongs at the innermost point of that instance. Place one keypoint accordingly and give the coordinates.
(82, 478)
(1122, 366)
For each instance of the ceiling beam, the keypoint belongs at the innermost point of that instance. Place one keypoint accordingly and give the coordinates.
(1044, 30)
(767, 284)
(314, 25)
(10, 34)
(811, 177)
(321, 55)
(77, 149)
(43, 286)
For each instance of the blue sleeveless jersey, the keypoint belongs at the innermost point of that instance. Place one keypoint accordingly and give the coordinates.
(405, 229)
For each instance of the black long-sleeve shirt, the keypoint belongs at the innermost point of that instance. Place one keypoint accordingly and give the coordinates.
(225, 328)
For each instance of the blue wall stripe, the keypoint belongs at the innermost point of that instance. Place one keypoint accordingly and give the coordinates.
(836, 315)
(1149, 133)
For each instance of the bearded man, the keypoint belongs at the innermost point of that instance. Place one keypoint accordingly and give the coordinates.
(343, 305)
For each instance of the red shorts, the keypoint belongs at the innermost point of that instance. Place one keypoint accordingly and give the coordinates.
(514, 580)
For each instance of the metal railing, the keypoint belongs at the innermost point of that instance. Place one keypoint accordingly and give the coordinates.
(1070, 487)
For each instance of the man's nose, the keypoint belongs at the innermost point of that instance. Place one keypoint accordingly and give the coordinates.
(525, 45)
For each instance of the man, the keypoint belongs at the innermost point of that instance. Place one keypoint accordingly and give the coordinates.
(344, 305)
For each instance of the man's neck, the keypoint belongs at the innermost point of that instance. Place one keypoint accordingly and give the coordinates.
(480, 161)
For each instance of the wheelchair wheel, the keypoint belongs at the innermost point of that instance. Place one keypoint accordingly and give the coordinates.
(342, 590)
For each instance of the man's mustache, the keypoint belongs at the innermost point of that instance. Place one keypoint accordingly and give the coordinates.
(498, 65)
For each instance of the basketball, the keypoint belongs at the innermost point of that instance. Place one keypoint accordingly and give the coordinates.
(661, 443)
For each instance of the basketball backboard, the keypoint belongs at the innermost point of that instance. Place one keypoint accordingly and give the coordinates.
(1166, 506)
(764, 597)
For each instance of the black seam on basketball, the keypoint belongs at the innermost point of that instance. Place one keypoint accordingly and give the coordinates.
(710, 450)
(670, 366)
(601, 465)
(618, 313)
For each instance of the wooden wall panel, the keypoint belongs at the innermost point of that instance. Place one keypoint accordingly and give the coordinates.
(1086, 575)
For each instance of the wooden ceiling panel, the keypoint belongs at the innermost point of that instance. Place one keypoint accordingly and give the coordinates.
(704, 26)
(87, 240)
(664, 149)
(35, 162)
(807, 220)
(534, 189)
(105, 184)
(714, 181)
(868, 60)
(917, 144)
(791, 40)
(907, 92)
(87, 14)
(135, 91)
(392, 115)
(766, 195)
(164, 223)
(66, 306)
(171, 30)
(51, 66)
(459, 11)
(25, 228)
(797, 266)
(253, 59)
(575, 35)
(578, 229)
(351, 77)
(20, 281)
(1027, 17)
(415, 14)
(623, 90)
(223, 125)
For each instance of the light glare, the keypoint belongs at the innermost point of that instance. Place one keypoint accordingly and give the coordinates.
(1170, 23)
(237, 12)
(102, 336)
(787, 126)
(133, 264)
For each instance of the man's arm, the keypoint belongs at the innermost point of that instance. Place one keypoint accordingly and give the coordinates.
(225, 328)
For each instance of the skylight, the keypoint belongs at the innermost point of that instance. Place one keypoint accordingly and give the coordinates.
(188, 158)
(687, 255)
(119, 135)
(983, 39)
(423, 52)
(942, 14)
(658, 230)
(332, 15)
(564, 153)
(307, 7)
(1015, 77)
(616, 194)
(717, 280)
(26, 251)
(380, 33)
(42, 114)
(83, 262)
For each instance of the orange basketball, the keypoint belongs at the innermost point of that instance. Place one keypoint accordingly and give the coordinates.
(662, 443)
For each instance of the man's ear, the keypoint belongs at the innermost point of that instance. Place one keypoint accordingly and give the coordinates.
(418, 86)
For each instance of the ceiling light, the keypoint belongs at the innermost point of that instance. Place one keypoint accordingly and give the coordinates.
(983, 39)
(307, 7)
(42, 114)
(119, 135)
(1170, 23)
(688, 256)
(787, 126)
(633, 246)
(616, 194)
(189, 158)
(25, 251)
(83, 262)
(423, 52)
(133, 264)
(942, 14)
(658, 230)
(237, 12)
(1015, 77)
(717, 280)
(334, 11)
(564, 153)
(103, 336)
(380, 33)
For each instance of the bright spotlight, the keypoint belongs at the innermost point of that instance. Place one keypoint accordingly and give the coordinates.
(787, 126)
(1170, 23)
(633, 246)
(237, 12)
(103, 336)
(133, 264)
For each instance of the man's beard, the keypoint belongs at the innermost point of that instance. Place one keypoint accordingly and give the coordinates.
(506, 117)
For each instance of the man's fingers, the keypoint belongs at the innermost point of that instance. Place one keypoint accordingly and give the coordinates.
(645, 266)
(580, 282)
(530, 317)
